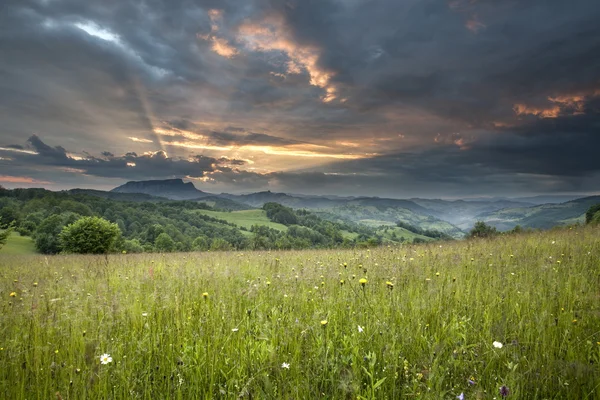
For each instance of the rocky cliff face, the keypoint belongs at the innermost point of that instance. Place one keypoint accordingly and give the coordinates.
(174, 189)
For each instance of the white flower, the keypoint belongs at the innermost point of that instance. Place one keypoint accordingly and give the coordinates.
(144, 314)
(360, 329)
(497, 345)
(285, 365)
(105, 358)
(234, 330)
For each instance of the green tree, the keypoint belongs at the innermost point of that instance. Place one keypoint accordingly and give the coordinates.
(482, 230)
(164, 243)
(201, 243)
(133, 246)
(47, 234)
(4, 234)
(592, 214)
(89, 235)
(220, 244)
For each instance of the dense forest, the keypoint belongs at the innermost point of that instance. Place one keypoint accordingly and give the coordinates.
(165, 226)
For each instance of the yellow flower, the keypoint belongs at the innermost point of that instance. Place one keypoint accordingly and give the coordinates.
(389, 285)
(35, 284)
(324, 323)
(342, 282)
(13, 294)
(363, 281)
(437, 274)
(205, 295)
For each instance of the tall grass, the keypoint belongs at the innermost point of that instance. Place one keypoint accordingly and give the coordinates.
(430, 336)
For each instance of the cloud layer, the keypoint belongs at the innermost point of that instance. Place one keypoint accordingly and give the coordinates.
(419, 97)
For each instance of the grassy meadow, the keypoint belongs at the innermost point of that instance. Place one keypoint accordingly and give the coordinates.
(17, 244)
(299, 324)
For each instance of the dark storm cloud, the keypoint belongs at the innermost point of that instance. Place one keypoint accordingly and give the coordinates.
(236, 136)
(128, 166)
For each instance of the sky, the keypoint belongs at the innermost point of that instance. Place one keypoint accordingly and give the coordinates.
(429, 98)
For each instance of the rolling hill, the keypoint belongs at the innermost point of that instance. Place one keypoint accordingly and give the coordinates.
(543, 216)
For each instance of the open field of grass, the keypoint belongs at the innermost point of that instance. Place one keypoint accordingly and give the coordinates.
(245, 218)
(300, 325)
(17, 244)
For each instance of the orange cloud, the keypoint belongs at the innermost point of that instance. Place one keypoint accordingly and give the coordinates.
(21, 179)
(271, 34)
(223, 48)
(474, 25)
(134, 139)
(566, 104)
(522, 109)
(219, 45)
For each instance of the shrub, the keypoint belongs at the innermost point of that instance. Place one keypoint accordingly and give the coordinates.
(482, 230)
(592, 214)
(164, 243)
(89, 235)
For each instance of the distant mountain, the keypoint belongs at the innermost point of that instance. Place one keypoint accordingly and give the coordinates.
(542, 216)
(464, 213)
(173, 189)
(547, 199)
(138, 197)
(372, 211)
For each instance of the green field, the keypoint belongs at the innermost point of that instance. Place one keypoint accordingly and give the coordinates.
(281, 325)
(17, 244)
(245, 218)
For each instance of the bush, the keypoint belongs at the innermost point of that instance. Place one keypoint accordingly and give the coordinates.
(4, 234)
(164, 243)
(89, 235)
(482, 230)
(592, 214)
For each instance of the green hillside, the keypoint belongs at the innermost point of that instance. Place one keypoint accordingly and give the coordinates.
(543, 216)
(17, 244)
(245, 218)
(376, 216)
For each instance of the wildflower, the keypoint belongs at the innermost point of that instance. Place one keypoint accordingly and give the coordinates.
(471, 382)
(205, 295)
(461, 396)
(285, 365)
(454, 279)
(144, 314)
(363, 281)
(234, 330)
(35, 284)
(342, 282)
(105, 358)
(13, 294)
(390, 285)
(324, 323)
(497, 345)
(268, 283)
(504, 391)
(437, 274)
(360, 329)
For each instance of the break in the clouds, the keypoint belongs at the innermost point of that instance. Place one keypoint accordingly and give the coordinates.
(390, 98)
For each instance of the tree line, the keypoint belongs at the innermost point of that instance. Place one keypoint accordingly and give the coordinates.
(55, 219)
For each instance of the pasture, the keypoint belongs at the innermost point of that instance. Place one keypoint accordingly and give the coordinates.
(430, 321)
